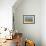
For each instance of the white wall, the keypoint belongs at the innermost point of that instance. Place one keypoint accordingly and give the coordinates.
(43, 22)
(31, 31)
(6, 13)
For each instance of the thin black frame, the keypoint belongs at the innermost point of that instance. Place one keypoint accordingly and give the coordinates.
(29, 15)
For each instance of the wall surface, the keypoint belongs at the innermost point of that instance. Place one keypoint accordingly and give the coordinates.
(30, 31)
(6, 13)
(43, 22)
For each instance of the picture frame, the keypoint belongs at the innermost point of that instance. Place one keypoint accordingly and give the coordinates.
(28, 19)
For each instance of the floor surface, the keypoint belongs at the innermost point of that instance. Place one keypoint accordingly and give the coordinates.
(9, 43)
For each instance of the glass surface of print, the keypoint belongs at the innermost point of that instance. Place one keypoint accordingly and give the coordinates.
(29, 19)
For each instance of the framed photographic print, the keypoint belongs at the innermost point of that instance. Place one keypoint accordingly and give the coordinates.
(28, 19)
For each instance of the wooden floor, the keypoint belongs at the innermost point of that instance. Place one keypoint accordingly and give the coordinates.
(9, 43)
